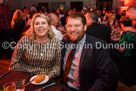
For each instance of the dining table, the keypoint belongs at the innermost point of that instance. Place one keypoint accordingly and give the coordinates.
(12, 76)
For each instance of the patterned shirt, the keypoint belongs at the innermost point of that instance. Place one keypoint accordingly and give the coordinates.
(37, 58)
(128, 38)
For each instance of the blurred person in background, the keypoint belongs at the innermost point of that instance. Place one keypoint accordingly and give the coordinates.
(24, 14)
(112, 21)
(134, 24)
(103, 12)
(95, 29)
(5, 29)
(63, 21)
(54, 23)
(33, 8)
(131, 12)
(27, 26)
(118, 16)
(74, 10)
(29, 16)
(42, 54)
(123, 13)
(99, 13)
(60, 15)
(105, 15)
(127, 56)
(17, 25)
(83, 11)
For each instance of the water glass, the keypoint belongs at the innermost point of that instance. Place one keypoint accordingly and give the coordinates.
(10, 86)
(20, 85)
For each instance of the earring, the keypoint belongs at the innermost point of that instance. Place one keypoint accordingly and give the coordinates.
(34, 36)
(49, 33)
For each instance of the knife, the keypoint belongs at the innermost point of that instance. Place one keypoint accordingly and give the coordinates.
(5, 74)
(46, 86)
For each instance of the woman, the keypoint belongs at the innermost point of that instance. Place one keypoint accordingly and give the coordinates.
(38, 50)
(112, 21)
(128, 36)
(127, 54)
(17, 25)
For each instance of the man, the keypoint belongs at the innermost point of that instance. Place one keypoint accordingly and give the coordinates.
(97, 30)
(54, 22)
(91, 68)
(131, 12)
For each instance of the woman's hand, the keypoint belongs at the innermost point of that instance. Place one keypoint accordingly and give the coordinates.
(120, 49)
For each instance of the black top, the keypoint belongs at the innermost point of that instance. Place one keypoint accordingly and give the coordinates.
(100, 31)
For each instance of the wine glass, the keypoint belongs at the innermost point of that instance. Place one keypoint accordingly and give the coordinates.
(20, 85)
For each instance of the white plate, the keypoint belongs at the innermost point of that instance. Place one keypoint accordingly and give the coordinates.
(44, 81)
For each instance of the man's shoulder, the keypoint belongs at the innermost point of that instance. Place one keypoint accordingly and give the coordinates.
(100, 25)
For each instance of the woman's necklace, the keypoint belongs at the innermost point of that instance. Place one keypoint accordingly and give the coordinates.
(41, 46)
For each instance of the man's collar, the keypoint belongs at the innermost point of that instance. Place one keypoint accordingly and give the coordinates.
(82, 40)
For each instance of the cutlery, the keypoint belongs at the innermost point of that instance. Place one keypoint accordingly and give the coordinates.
(5, 74)
(28, 79)
(29, 82)
(46, 86)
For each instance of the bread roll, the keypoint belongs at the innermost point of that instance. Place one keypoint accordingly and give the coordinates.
(39, 78)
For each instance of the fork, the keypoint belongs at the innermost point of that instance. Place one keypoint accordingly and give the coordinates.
(29, 82)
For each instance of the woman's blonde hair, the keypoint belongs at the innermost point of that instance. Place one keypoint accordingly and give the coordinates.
(30, 32)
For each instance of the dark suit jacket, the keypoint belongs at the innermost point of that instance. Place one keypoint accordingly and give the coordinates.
(97, 72)
(100, 31)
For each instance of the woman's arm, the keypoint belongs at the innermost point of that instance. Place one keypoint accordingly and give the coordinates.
(17, 56)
